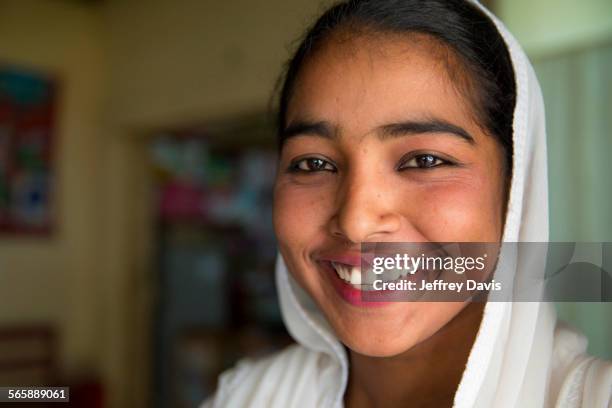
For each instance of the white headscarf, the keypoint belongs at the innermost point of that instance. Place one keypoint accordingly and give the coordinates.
(520, 357)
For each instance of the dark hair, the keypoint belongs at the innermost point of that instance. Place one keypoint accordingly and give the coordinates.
(458, 24)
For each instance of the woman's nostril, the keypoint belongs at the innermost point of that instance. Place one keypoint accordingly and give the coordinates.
(363, 225)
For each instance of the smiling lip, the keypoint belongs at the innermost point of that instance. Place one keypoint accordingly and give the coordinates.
(345, 290)
(347, 258)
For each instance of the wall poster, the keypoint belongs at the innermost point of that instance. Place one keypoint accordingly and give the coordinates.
(27, 125)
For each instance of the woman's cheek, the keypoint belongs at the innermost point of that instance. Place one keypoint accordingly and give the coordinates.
(458, 212)
(300, 212)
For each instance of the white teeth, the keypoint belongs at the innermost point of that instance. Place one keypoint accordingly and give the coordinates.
(348, 273)
(356, 276)
(352, 275)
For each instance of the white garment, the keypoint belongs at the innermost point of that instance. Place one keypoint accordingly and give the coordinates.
(521, 356)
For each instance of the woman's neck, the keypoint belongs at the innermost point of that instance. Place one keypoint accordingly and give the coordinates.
(427, 375)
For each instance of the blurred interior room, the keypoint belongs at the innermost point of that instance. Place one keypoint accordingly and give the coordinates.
(137, 155)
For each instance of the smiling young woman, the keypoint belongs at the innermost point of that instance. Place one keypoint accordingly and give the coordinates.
(407, 121)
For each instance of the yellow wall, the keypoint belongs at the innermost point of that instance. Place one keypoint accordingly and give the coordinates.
(51, 280)
(175, 61)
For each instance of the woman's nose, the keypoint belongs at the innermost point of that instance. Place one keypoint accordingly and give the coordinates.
(365, 210)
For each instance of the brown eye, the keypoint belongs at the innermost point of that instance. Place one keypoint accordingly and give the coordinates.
(312, 164)
(423, 161)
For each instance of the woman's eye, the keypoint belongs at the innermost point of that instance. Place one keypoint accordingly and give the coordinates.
(423, 161)
(312, 164)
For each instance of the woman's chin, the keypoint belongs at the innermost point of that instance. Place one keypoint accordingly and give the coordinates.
(393, 329)
(379, 338)
(374, 347)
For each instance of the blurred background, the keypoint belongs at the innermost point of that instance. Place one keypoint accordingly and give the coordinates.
(136, 162)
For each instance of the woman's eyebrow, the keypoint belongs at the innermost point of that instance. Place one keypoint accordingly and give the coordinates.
(305, 127)
(411, 127)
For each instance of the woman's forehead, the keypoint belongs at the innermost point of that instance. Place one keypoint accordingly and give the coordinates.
(370, 81)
